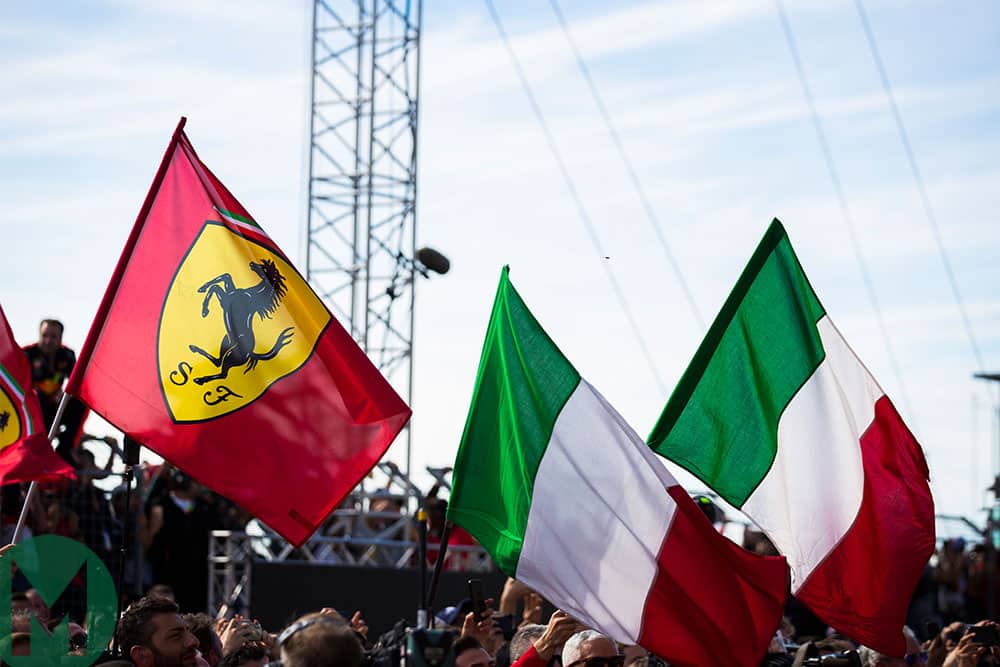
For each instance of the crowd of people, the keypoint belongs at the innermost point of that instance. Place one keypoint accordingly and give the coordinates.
(152, 632)
(164, 592)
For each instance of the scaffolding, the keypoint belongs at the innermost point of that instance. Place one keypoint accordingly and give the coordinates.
(358, 535)
(360, 256)
(361, 259)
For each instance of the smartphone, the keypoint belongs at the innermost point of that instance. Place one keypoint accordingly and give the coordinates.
(985, 635)
(477, 598)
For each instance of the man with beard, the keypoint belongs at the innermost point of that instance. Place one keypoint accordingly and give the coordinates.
(152, 633)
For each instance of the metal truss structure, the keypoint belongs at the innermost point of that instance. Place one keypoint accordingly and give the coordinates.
(363, 175)
(368, 531)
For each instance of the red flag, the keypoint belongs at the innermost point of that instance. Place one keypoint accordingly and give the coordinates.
(26, 455)
(210, 349)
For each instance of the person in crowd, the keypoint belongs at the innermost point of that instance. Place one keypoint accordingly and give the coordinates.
(551, 643)
(92, 509)
(591, 648)
(142, 528)
(238, 632)
(384, 520)
(151, 633)
(515, 593)
(952, 578)
(470, 653)
(179, 552)
(12, 498)
(319, 640)
(51, 363)
(248, 656)
(436, 509)
(38, 606)
(20, 605)
(484, 629)
(161, 591)
(523, 639)
(209, 643)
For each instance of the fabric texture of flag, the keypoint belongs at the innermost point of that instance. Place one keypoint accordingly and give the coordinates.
(26, 455)
(210, 349)
(568, 499)
(778, 415)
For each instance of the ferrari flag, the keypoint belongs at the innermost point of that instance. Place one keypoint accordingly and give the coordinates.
(26, 455)
(210, 349)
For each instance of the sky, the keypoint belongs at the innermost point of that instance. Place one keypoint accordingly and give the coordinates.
(710, 111)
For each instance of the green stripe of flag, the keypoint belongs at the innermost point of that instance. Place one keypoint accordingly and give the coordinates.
(721, 422)
(12, 383)
(523, 383)
(239, 218)
(8, 379)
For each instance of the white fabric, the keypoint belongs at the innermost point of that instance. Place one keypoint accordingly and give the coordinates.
(809, 498)
(599, 514)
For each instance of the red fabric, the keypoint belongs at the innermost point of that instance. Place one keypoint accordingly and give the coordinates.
(288, 457)
(453, 560)
(31, 458)
(530, 658)
(864, 586)
(712, 602)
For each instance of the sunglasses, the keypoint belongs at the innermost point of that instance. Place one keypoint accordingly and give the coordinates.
(614, 661)
(915, 658)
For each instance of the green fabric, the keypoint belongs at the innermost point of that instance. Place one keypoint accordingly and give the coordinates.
(721, 422)
(523, 383)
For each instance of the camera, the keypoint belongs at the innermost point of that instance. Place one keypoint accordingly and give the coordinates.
(429, 648)
(412, 647)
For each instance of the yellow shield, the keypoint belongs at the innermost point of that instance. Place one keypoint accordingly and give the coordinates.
(10, 419)
(236, 319)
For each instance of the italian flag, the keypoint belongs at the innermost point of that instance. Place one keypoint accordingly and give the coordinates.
(568, 499)
(778, 415)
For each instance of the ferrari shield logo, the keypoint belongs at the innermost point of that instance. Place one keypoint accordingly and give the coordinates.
(237, 318)
(10, 417)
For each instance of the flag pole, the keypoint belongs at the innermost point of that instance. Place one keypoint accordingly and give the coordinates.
(33, 487)
(438, 565)
(130, 458)
(422, 533)
(90, 342)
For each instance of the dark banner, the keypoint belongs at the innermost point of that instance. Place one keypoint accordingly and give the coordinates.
(285, 590)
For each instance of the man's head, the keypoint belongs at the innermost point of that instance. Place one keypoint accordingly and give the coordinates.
(316, 640)
(589, 648)
(50, 334)
(38, 605)
(209, 643)
(524, 638)
(153, 634)
(161, 591)
(470, 653)
(436, 511)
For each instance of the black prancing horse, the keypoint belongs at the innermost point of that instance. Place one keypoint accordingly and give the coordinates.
(239, 305)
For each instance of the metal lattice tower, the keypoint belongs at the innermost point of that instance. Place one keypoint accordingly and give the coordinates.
(363, 175)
